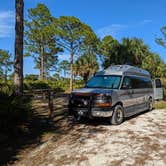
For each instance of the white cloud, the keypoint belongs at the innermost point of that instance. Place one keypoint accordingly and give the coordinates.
(6, 23)
(113, 29)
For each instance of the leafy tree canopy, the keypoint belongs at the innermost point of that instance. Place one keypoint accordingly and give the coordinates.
(64, 66)
(133, 51)
(5, 64)
(109, 49)
(73, 33)
(154, 65)
(74, 36)
(130, 51)
(85, 66)
(40, 41)
(162, 41)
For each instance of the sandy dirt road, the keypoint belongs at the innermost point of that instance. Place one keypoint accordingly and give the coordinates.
(138, 141)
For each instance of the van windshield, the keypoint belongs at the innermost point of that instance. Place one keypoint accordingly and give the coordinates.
(104, 81)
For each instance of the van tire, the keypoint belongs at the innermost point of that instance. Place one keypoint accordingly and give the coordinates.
(117, 116)
(150, 104)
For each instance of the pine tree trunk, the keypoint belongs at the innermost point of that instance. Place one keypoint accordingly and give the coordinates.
(18, 59)
(42, 74)
(6, 72)
(71, 69)
(64, 73)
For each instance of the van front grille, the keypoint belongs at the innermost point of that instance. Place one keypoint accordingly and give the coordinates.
(80, 101)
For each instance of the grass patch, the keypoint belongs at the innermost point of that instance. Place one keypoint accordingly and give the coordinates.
(160, 104)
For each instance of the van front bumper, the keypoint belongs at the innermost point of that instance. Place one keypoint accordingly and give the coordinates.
(93, 112)
(101, 114)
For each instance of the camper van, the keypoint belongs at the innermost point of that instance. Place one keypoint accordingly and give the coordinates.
(119, 91)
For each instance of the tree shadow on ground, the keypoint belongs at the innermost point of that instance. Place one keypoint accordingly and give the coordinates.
(14, 145)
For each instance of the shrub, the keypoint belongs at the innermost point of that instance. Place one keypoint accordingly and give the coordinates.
(6, 89)
(164, 86)
(61, 85)
(30, 85)
(14, 111)
(78, 84)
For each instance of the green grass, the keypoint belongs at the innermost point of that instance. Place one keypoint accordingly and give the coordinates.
(160, 104)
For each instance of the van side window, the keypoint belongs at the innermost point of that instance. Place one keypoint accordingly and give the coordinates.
(148, 83)
(141, 82)
(136, 82)
(158, 83)
(126, 83)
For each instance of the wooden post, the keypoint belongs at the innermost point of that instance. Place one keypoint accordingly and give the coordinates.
(50, 104)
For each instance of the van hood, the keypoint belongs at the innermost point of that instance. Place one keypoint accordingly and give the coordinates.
(92, 91)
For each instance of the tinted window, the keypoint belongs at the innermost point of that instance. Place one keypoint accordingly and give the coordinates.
(126, 83)
(137, 82)
(141, 82)
(158, 83)
(148, 83)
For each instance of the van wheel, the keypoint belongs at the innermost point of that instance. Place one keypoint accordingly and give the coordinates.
(118, 115)
(150, 104)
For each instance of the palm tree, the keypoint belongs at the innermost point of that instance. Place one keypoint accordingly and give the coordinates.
(133, 51)
(18, 59)
(85, 66)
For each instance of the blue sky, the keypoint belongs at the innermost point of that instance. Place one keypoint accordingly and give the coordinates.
(120, 18)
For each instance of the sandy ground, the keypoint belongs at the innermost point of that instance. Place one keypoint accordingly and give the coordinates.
(138, 141)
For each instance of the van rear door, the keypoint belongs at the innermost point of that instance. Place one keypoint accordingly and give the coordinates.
(158, 89)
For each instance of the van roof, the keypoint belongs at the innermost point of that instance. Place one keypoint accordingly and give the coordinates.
(124, 70)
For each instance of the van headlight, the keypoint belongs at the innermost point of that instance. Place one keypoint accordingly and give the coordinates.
(102, 97)
(103, 104)
(102, 100)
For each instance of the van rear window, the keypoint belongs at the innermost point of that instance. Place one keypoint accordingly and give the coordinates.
(158, 83)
